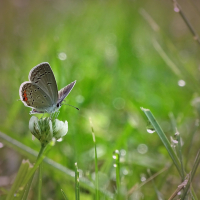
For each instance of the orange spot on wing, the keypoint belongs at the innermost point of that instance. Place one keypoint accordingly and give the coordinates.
(25, 96)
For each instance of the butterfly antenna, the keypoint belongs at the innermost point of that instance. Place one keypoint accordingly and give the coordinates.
(71, 106)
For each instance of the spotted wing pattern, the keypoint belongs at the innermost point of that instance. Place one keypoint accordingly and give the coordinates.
(41, 100)
(42, 76)
(64, 92)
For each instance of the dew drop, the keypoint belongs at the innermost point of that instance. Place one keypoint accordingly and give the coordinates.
(181, 83)
(150, 130)
(116, 152)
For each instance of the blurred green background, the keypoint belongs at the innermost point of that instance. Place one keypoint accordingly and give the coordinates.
(124, 55)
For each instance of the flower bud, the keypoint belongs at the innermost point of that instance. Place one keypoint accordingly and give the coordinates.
(45, 129)
(61, 129)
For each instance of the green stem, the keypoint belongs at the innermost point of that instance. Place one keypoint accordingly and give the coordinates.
(96, 173)
(117, 166)
(27, 189)
(77, 189)
(118, 177)
(40, 172)
(29, 178)
(41, 152)
(40, 182)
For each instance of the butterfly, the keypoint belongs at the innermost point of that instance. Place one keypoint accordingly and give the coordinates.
(41, 91)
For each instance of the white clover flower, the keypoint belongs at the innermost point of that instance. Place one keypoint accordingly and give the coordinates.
(45, 129)
(61, 129)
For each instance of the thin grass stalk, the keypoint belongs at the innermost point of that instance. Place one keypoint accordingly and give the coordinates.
(180, 155)
(42, 152)
(64, 195)
(116, 157)
(38, 161)
(40, 181)
(196, 164)
(77, 188)
(189, 25)
(154, 185)
(137, 187)
(27, 189)
(178, 146)
(96, 164)
(32, 171)
(190, 141)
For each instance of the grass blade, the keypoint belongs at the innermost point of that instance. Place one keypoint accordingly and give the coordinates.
(116, 157)
(19, 179)
(159, 196)
(163, 138)
(178, 145)
(65, 196)
(26, 190)
(77, 188)
(31, 154)
(96, 163)
(40, 182)
(196, 164)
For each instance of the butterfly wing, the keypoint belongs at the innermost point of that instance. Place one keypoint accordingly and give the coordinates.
(33, 96)
(64, 92)
(42, 76)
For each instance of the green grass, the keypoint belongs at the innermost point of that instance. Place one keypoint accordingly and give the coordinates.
(120, 64)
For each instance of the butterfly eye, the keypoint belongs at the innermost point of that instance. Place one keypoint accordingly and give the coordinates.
(58, 105)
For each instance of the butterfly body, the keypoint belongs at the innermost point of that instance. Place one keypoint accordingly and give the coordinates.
(41, 92)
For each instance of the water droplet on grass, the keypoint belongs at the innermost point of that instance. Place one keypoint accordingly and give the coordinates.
(150, 130)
